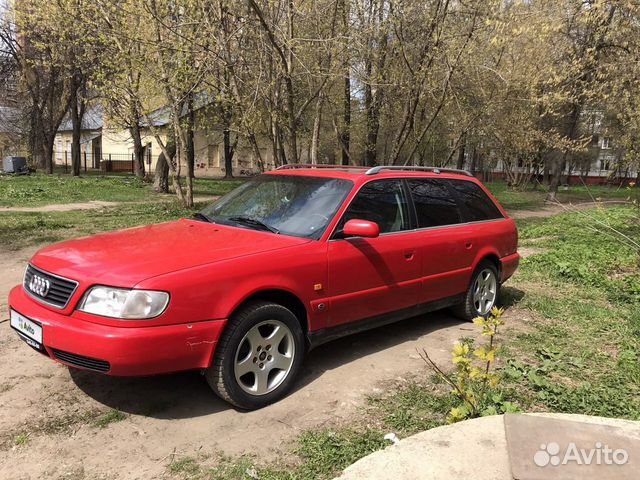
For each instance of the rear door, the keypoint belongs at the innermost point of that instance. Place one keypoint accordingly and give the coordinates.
(484, 224)
(373, 276)
(444, 239)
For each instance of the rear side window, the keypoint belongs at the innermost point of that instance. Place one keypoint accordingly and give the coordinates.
(476, 204)
(383, 202)
(435, 205)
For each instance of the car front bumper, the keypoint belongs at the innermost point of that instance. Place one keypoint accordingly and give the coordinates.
(120, 351)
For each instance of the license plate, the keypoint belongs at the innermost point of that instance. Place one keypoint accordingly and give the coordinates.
(29, 330)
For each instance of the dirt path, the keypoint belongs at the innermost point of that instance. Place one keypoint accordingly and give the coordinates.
(52, 411)
(96, 204)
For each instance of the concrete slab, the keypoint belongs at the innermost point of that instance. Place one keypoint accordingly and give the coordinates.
(472, 449)
(499, 448)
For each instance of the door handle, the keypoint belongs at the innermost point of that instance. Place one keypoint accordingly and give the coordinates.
(468, 245)
(408, 254)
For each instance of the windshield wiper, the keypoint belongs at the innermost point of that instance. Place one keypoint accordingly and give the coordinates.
(202, 217)
(254, 222)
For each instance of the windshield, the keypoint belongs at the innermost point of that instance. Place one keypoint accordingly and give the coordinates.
(288, 204)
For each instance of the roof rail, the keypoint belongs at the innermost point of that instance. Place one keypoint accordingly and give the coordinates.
(378, 169)
(291, 166)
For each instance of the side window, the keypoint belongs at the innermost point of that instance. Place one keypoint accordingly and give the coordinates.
(383, 202)
(476, 203)
(434, 203)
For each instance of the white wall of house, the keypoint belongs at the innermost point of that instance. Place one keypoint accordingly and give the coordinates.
(209, 153)
(62, 146)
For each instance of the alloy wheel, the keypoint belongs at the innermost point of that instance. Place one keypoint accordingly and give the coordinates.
(264, 357)
(485, 291)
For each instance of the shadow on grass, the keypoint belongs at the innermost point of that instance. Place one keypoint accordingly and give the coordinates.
(510, 297)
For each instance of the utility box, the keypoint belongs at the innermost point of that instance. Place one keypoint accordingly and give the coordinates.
(15, 165)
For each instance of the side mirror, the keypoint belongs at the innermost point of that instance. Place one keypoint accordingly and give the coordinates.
(361, 228)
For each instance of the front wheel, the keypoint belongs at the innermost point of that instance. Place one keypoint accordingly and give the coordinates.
(482, 293)
(258, 356)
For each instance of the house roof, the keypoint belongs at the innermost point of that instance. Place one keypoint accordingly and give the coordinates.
(162, 116)
(94, 115)
(159, 118)
(93, 119)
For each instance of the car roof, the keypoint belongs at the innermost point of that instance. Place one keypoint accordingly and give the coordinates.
(362, 174)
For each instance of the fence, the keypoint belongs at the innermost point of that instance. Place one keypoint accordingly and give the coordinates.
(105, 162)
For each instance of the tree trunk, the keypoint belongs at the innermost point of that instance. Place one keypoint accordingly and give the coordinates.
(293, 124)
(461, 151)
(372, 107)
(281, 152)
(345, 136)
(138, 151)
(256, 150)
(189, 198)
(546, 173)
(190, 150)
(161, 181)
(228, 156)
(47, 152)
(35, 138)
(182, 154)
(190, 153)
(77, 114)
(371, 135)
(474, 158)
(554, 183)
(315, 136)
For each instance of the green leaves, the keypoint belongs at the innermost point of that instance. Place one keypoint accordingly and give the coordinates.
(473, 383)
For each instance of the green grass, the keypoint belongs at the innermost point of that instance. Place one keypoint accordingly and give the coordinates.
(40, 189)
(185, 466)
(209, 186)
(36, 190)
(412, 408)
(63, 424)
(106, 419)
(321, 454)
(582, 351)
(22, 229)
(534, 198)
(22, 439)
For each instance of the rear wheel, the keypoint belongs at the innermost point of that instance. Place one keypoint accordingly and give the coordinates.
(258, 356)
(482, 293)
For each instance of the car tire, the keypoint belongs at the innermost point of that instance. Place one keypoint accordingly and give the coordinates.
(482, 294)
(258, 356)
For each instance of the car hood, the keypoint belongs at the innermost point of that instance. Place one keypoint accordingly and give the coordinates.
(126, 257)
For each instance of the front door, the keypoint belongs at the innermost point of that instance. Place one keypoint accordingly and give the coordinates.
(373, 276)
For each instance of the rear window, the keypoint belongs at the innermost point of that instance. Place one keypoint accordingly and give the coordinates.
(477, 206)
(434, 203)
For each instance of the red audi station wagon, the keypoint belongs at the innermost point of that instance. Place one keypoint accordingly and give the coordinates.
(287, 261)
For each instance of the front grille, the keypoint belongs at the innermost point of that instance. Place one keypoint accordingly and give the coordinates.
(80, 361)
(48, 288)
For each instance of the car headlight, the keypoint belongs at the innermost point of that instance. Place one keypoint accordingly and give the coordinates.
(124, 303)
